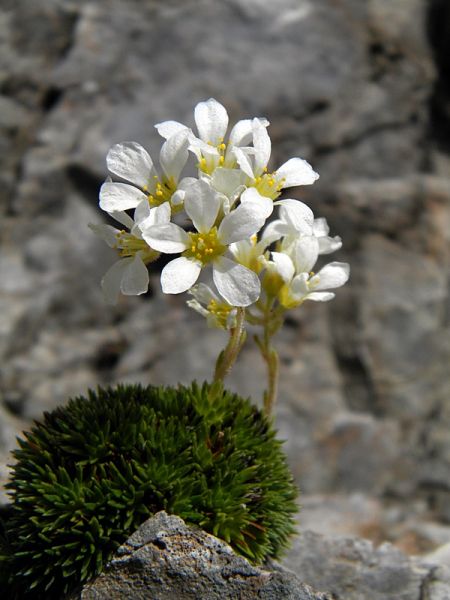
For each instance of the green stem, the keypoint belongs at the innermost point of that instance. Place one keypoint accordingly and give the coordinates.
(228, 356)
(270, 396)
(271, 324)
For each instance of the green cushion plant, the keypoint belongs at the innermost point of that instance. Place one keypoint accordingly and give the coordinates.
(92, 471)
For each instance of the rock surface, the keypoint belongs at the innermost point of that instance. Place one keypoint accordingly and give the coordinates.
(353, 569)
(360, 89)
(164, 559)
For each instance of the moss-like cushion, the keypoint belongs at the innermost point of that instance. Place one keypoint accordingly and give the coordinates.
(92, 471)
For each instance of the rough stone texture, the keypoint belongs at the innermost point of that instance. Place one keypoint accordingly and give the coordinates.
(164, 559)
(10, 427)
(360, 89)
(353, 569)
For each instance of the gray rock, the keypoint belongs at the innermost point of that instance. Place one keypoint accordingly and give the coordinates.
(10, 427)
(364, 380)
(165, 559)
(353, 569)
(437, 584)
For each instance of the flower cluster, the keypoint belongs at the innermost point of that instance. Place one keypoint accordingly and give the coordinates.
(221, 221)
(220, 217)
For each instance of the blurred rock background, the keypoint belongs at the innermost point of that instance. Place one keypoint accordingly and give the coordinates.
(361, 89)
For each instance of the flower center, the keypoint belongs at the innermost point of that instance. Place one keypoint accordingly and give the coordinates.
(163, 191)
(250, 254)
(221, 312)
(205, 247)
(207, 164)
(269, 185)
(129, 245)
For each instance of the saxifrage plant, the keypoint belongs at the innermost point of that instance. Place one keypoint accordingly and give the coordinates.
(92, 471)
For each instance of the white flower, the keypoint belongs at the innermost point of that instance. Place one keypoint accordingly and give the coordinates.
(210, 147)
(299, 282)
(307, 286)
(208, 245)
(252, 253)
(131, 162)
(297, 219)
(253, 162)
(218, 312)
(229, 183)
(251, 195)
(129, 275)
(327, 244)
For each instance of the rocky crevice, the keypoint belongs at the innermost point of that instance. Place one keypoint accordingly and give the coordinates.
(438, 27)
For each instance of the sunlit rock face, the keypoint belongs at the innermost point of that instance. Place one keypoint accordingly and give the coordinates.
(357, 89)
(165, 559)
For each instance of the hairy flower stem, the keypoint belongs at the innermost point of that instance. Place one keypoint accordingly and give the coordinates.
(228, 356)
(270, 357)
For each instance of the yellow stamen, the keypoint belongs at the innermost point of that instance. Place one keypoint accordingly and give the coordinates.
(163, 191)
(205, 246)
(221, 312)
(129, 245)
(268, 185)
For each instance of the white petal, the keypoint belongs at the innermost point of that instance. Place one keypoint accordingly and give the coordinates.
(267, 238)
(135, 278)
(265, 204)
(297, 215)
(211, 119)
(198, 308)
(130, 161)
(242, 251)
(296, 171)
(320, 227)
(168, 128)
(200, 147)
(237, 284)
(299, 285)
(331, 276)
(203, 293)
(241, 223)
(262, 145)
(202, 205)
(244, 162)
(141, 212)
(112, 280)
(320, 296)
(186, 182)
(169, 238)
(159, 215)
(241, 134)
(306, 252)
(327, 245)
(106, 232)
(276, 229)
(235, 195)
(123, 218)
(284, 265)
(227, 181)
(119, 196)
(178, 196)
(174, 154)
(179, 275)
